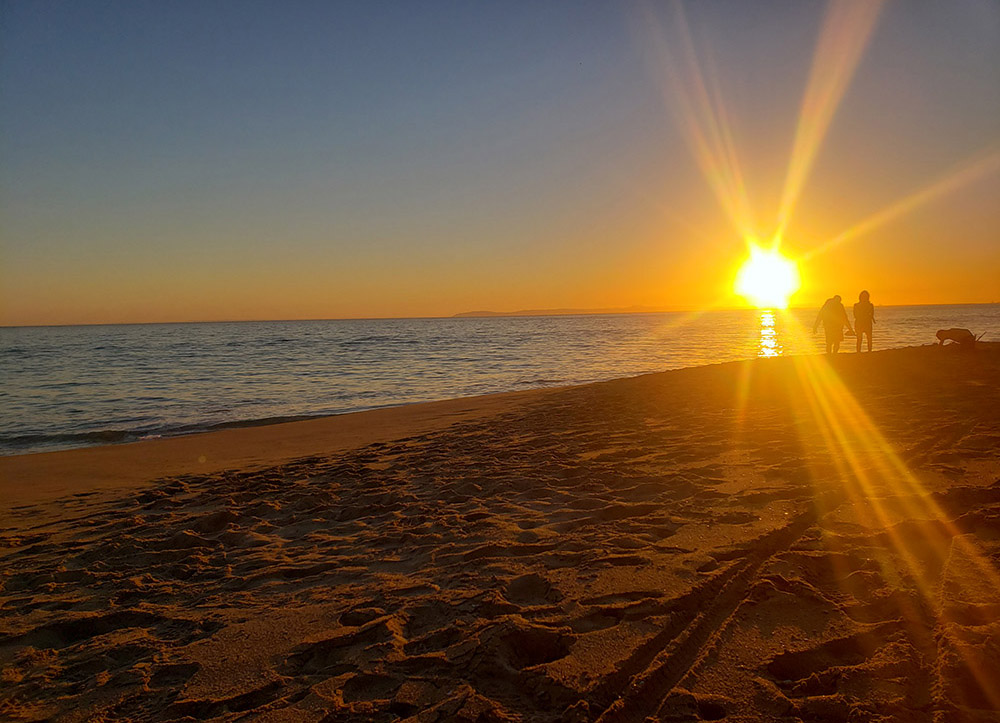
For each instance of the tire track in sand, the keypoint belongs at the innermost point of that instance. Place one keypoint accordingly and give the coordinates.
(659, 665)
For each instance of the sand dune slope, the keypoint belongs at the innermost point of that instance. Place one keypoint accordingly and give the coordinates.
(774, 540)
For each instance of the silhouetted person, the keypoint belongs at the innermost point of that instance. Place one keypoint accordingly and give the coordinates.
(833, 316)
(864, 317)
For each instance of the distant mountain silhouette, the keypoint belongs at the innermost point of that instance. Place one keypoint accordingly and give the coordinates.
(563, 312)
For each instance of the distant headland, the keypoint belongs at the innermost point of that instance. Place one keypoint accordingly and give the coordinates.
(566, 312)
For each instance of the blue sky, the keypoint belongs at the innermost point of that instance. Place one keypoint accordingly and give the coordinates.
(272, 160)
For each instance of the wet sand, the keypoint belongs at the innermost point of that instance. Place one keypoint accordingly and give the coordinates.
(784, 539)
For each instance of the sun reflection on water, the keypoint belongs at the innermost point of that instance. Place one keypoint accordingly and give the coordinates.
(769, 345)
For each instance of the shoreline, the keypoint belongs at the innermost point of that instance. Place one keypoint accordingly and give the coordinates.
(33, 476)
(26, 478)
(194, 430)
(118, 437)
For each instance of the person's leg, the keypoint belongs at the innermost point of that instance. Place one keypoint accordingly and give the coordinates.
(869, 333)
(858, 337)
(836, 347)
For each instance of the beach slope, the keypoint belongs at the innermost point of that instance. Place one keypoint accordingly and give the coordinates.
(783, 539)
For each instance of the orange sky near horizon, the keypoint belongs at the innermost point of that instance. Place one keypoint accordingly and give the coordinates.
(558, 169)
(602, 259)
(899, 269)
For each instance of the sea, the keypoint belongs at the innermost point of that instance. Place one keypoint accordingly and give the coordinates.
(74, 386)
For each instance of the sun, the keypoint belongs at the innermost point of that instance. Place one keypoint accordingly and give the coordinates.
(767, 279)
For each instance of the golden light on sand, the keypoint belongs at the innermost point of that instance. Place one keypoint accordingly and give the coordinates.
(767, 279)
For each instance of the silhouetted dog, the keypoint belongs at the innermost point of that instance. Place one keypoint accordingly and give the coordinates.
(959, 336)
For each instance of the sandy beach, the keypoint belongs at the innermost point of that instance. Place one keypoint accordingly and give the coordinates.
(773, 540)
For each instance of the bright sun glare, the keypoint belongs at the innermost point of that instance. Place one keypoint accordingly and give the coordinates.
(767, 279)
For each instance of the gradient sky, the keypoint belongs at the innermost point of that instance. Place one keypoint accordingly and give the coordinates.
(264, 160)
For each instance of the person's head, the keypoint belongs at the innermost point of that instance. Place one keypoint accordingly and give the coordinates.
(863, 296)
(836, 297)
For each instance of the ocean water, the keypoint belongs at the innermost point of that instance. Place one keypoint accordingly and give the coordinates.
(63, 387)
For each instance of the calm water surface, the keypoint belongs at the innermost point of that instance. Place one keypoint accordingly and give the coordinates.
(64, 387)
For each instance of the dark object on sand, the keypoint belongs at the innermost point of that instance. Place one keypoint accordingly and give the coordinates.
(959, 336)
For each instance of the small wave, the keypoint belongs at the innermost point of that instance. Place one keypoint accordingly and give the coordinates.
(371, 339)
(103, 436)
(258, 342)
(263, 421)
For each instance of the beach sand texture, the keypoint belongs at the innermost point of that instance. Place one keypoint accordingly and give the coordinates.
(783, 539)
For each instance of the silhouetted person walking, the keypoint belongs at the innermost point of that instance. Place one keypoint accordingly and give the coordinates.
(864, 317)
(833, 316)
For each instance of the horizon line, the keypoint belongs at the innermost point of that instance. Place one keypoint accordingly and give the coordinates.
(483, 314)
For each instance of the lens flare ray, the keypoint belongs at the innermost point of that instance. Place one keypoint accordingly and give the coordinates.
(886, 497)
(963, 175)
(843, 39)
(701, 116)
(692, 92)
(865, 479)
